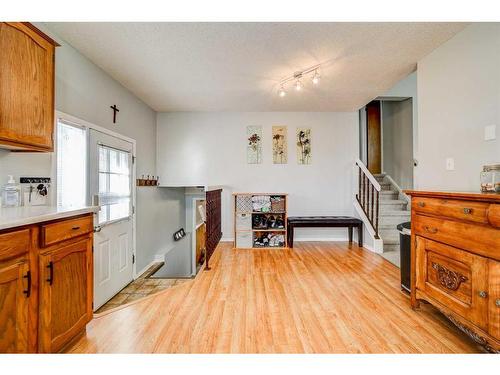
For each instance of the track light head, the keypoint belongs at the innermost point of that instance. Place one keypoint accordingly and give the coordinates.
(282, 92)
(316, 77)
(298, 85)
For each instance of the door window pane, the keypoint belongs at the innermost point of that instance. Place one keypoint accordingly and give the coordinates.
(71, 165)
(114, 184)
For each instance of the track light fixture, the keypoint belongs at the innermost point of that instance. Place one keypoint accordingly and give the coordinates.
(297, 79)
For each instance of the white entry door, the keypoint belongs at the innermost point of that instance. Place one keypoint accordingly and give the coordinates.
(110, 185)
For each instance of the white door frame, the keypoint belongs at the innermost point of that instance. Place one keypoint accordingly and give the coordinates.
(88, 125)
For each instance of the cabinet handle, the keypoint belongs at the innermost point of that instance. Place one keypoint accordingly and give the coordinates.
(483, 294)
(431, 230)
(76, 228)
(497, 302)
(50, 266)
(467, 211)
(421, 204)
(28, 289)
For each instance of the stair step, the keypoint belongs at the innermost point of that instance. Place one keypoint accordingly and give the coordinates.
(393, 204)
(390, 247)
(388, 195)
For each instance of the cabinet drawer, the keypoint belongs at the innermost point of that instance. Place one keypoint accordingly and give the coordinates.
(480, 239)
(475, 212)
(243, 221)
(14, 244)
(455, 278)
(63, 230)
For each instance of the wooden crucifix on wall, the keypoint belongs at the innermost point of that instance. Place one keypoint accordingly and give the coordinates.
(115, 109)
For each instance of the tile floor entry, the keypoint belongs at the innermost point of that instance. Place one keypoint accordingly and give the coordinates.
(140, 288)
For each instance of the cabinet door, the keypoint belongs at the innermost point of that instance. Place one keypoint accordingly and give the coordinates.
(65, 294)
(455, 278)
(15, 285)
(26, 88)
(494, 300)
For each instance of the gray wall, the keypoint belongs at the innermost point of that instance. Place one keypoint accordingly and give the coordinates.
(210, 148)
(459, 94)
(85, 91)
(397, 139)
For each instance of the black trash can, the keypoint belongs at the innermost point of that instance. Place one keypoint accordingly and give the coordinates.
(405, 248)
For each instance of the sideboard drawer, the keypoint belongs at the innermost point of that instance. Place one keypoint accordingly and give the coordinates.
(64, 230)
(455, 278)
(14, 244)
(479, 239)
(475, 212)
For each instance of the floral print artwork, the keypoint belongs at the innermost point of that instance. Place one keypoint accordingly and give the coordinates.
(304, 145)
(279, 145)
(254, 144)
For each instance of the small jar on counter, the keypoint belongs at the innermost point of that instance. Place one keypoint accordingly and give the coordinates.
(490, 179)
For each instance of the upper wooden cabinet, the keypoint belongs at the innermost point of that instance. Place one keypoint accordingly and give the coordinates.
(26, 87)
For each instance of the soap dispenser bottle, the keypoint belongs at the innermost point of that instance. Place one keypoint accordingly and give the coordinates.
(11, 193)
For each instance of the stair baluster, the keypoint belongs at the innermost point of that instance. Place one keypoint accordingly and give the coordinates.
(368, 195)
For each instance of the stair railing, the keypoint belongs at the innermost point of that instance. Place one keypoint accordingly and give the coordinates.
(368, 195)
(213, 223)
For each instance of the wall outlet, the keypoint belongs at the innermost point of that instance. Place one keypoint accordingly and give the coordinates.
(450, 164)
(490, 132)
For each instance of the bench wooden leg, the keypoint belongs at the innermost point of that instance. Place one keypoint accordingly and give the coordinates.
(349, 229)
(290, 236)
(360, 235)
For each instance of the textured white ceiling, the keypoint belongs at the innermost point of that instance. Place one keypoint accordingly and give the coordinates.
(237, 66)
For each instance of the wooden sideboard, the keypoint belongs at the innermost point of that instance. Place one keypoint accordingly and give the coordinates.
(46, 284)
(455, 260)
(26, 87)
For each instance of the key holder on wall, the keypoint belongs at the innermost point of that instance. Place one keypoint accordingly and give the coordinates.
(149, 181)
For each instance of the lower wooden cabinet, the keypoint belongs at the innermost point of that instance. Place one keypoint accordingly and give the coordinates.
(456, 260)
(14, 301)
(46, 292)
(65, 294)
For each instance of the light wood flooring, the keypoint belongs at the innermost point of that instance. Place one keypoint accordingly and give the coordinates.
(320, 297)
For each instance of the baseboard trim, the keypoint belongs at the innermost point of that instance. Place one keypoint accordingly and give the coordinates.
(306, 239)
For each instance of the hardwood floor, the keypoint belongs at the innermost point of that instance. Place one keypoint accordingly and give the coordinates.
(320, 297)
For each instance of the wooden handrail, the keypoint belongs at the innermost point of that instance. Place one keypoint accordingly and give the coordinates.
(368, 195)
(368, 174)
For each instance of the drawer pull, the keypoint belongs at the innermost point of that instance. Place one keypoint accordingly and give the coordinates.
(468, 211)
(497, 302)
(448, 278)
(431, 230)
(483, 294)
(421, 204)
(28, 288)
(76, 228)
(50, 266)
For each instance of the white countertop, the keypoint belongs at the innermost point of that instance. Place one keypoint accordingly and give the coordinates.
(11, 217)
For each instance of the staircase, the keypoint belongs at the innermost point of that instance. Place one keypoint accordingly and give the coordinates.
(393, 211)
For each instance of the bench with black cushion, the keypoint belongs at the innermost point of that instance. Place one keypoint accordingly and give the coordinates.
(322, 222)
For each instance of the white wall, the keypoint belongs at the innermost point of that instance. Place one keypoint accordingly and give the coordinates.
(85, 91)
(459, 94)
(210, 148)
(397, 141)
